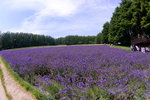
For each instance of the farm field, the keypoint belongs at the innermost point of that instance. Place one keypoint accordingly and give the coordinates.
(97, 72)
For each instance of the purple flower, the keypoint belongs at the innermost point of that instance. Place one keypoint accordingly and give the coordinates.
(115, 71)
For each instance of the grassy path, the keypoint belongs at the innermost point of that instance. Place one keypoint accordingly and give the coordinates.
(14, 89)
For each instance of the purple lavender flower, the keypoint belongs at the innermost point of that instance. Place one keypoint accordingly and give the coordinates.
(113, 70)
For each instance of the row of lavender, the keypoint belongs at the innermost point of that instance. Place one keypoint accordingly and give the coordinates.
(73, 71)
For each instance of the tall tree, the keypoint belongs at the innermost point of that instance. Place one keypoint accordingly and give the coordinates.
(120, 24)
(104, 34)
(98, 38)
(1, 44)
(140, 17)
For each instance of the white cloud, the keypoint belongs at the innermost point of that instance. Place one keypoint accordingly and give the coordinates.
(46, 7)
(24, 4)
(77, 15)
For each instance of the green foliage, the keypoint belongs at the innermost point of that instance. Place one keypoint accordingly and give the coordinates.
(105, 33)
(53, 90)
(11, 40)
(98, 38)
(103, 36)
(141, 17)
(0, 41)
(131, 18)
(95, 93)
(60, 41)
(122, 47)
(17, 40)
(72, 40)
(119, 30)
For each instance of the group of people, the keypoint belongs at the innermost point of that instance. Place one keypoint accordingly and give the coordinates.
(140, 49)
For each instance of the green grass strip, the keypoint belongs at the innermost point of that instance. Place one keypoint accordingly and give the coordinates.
(3, 84)
(36, 92)
(121, 47)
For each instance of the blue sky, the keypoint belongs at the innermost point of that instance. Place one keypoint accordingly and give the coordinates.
(57, 18)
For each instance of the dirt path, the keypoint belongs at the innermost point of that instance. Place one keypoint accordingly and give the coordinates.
(13, 88)
(2, 92)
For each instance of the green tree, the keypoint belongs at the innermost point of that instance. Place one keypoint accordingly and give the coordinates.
(140, 17)
(98, 38)
(1, 41)
(104, 34)
(60, 41)
(16, 40)
(120, 24)
(74, 39)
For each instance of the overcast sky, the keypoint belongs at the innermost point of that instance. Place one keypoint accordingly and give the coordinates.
(57, 18)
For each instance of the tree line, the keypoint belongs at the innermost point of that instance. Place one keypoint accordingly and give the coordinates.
(130, 19)
(75, 39)
(10, 40)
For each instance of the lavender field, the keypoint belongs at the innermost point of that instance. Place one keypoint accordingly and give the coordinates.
(95, 72)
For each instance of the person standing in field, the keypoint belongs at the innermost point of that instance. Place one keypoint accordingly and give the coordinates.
(132, 47)
(143, 49)
(137, 48)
